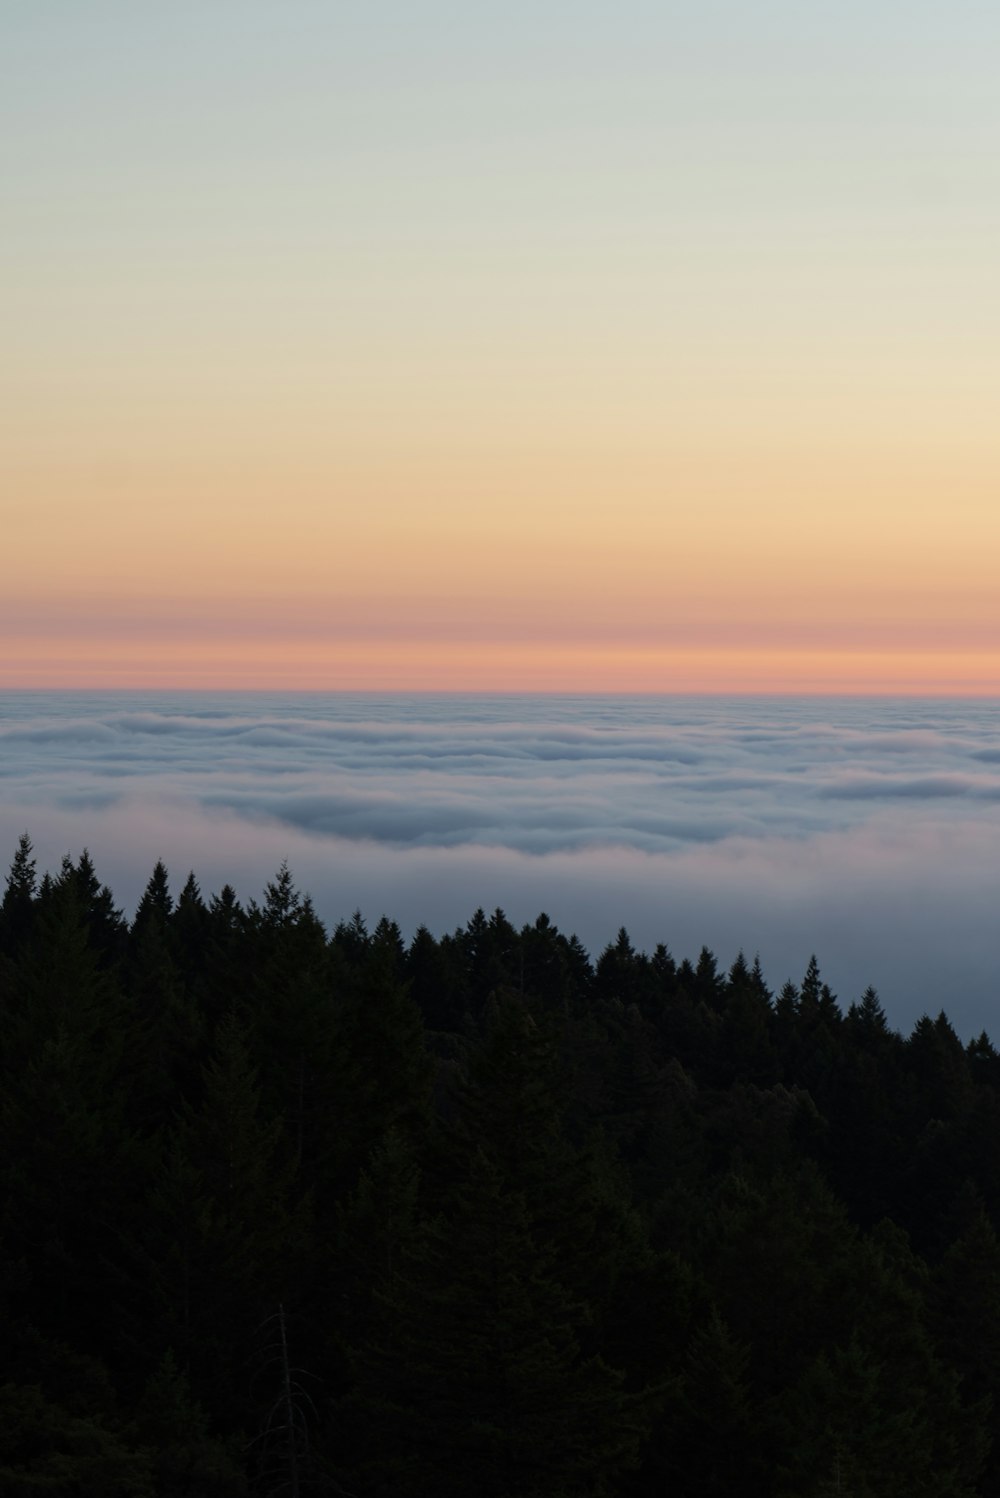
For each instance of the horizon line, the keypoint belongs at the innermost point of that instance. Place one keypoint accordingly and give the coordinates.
(200, 689)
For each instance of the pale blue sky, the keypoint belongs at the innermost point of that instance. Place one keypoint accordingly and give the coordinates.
(255, 115)
(591, 268)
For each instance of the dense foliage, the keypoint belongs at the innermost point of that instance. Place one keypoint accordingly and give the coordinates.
(290, 1212)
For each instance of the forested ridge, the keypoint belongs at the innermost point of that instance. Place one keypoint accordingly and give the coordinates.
(291, 1211)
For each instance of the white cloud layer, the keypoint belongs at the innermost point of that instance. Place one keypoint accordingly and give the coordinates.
(868, 832)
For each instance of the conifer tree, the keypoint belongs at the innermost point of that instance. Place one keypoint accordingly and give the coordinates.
(285, 1004)
(18, 899)
(507, 1111)
(107, 927)
(715, 1448)
(433, 983)
(46, 1448)
(67, 1166)
(226, 1230)
(965, 1323)
(745, 1049)
(475, 1382)
(379, 1075)
(165, 1032)
(187, 1460)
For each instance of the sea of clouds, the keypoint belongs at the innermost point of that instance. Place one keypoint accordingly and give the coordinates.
(865, 831)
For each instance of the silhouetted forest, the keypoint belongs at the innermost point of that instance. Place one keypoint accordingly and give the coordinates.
(289, 1211)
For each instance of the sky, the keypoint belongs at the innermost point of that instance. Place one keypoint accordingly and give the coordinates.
(560, 347)
(865, 832)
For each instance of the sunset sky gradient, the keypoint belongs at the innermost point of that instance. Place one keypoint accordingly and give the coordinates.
(638, 347)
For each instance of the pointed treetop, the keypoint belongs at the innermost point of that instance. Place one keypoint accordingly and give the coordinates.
(501, 926)
(156, 899)
(788, 997)
(282, 901)
(21, 882)
(739, 973)
(982, 1045)
(387, 930)
(477, 926)
(623, 943)
(708, 966)
(663, 963)
(869, 1013)
(226, 901)
(86, 874)
(758, 980)
(191, 893)
(17, 905)
(358, 927)
(388, 939)
(811, 981)
(352, 936)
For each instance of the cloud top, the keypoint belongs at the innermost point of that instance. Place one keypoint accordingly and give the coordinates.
(864, 831)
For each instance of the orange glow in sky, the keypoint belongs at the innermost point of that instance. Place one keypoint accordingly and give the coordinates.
(326, 366)
(432, 666)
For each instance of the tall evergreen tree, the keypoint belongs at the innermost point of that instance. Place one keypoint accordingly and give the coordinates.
(18, 899)
(226, 1232)
(68, 1166)
(475, 1382)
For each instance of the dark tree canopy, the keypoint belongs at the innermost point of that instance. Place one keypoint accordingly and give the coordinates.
(290, 1210)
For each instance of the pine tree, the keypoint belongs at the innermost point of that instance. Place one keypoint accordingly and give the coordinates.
(965, 1324)
(18, 899)
(67, 1164)
(745, 1050)
(715, 1436)
(106, 925)
(166, 1026)
(187, 1460)
(188, 929)
(433, 983)
(474, 1382)
(842, 1430)
(286, 1006)
(507, 1111)
(361, 1260)
(46, 1448)
(226, 1231)
(379, 1074)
